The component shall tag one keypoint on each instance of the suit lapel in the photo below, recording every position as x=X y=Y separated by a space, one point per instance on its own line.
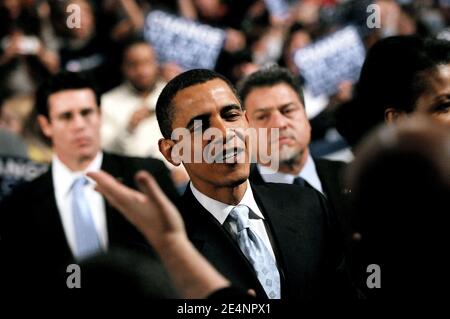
x=120 y=231
x=255 y=176
x=330 y=175
x=217 y=245
x=47 y=216
x=114 y=220
x=285 y=227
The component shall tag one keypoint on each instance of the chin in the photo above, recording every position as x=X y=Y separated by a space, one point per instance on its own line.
x=287 y=153
x=239 y=176
x=234 y=182
x=88 y=154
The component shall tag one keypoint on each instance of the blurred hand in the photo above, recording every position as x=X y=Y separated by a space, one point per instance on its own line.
x=235 y=40
x=345 y=91
x=12 y=48
x=150 y=210
x=137 y=117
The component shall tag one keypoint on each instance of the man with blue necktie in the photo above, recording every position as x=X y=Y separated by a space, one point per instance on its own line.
x=277 y=239
x=59 y=219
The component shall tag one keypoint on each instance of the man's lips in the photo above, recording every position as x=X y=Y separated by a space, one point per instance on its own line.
x=285 y=140
x=81 y=141
x=229 y=156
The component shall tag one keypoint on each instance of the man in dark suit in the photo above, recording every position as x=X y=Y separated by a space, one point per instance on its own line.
x=229 y=220
x=273 y=99
x=59 y=219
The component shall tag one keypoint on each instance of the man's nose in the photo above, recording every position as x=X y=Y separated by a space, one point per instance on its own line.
x=220 y=125
x=78 y=121
x=277 y=120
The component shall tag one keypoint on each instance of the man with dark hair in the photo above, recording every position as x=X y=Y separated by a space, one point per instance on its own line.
x=279 y=240
x=58 y=218
x=129 y=125
x=273 y=99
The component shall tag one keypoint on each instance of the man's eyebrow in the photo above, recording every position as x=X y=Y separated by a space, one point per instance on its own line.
x=267 y=108
x=201 y=117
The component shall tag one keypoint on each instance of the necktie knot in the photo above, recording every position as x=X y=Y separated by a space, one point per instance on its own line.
x=300 y=181
x=239 y=215
x=79 y=183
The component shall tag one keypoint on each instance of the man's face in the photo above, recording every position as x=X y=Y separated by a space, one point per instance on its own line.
x=73 y=125
x=140 y=66
x=436 y=98
x=279 y=107
x=215 y=104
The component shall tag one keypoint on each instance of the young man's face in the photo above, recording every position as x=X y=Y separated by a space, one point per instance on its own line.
x=73 y=125
x=215 y=104
x=140 y=66
x=436 y=98
x=279 y=107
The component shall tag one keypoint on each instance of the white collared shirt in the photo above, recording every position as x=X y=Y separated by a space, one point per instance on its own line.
x=308 y=173
x=118 y=106
x=63 y=179
x=221 y=210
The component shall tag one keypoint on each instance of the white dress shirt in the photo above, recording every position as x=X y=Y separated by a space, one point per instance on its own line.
x=221 y=210
x=118 y=105
x=308 y=173
x=63 y=179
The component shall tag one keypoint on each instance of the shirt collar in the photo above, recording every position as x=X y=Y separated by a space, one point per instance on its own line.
x=221 y=210
x=308 y=173
x=64 y=177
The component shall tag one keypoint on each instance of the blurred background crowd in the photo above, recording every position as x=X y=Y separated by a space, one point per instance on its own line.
x=36 y=41
x=108 y=40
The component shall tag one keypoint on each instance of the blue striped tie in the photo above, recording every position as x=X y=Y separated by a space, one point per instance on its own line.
x=256 y=252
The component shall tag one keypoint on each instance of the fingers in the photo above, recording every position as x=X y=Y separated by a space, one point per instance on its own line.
x=167 y=211
x=251 y=292
x=149 y=187
x=116 y=193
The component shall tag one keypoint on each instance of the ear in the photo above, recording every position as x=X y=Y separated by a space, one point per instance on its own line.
x=45 y=125
x=391 y=115
x=166 y=147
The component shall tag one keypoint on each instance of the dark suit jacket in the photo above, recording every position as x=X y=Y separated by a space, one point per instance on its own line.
x=302 y=232
x=31 y=230
x=331 y=176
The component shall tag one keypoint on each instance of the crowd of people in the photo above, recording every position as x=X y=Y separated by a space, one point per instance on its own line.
x=89 y=173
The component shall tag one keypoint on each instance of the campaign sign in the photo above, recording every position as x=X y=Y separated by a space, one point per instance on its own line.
x=331 y=60
x=190 y=44
x=15 y=171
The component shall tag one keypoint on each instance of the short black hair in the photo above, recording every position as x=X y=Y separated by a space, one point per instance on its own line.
x=394 y=75
x=391 y=72
x=137 y=40
x=164 y=107
x=61 y=82
x=270 y=76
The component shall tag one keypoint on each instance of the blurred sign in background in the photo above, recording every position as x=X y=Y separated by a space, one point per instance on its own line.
x=189 y=44
x=331 y=60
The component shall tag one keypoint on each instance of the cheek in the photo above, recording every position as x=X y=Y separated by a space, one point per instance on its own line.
x=443 y=118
